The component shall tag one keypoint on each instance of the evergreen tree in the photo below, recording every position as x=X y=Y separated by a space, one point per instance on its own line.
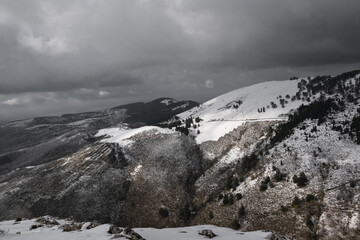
x=242 y=211
x=235 y=224
x=164 y=212
x=296 y=201
x=301 y=181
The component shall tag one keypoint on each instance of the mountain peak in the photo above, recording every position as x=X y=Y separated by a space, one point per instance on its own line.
x=266 y=101
x=164 y=100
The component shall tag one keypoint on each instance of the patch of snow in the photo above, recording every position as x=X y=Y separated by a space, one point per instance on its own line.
x=168 y=101
x=81 y=122
x=250 y=182
x=122 y=136
x=136 y=170
x=30 y=167
x=181 y=107
x=212 y=131
x=84 y=227
x=66 y=161
x=21 y=123
x=43 y=126
x=354 y=221
x=233 y=155
x=193 y=233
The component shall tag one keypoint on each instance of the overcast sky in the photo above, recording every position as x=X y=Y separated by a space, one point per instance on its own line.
x=81 y=55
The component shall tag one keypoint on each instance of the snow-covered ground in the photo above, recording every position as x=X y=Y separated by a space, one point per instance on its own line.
x=20 y=230
x=223 y=114
x=122 y=136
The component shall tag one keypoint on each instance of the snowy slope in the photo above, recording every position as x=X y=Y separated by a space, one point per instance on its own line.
x=122 y=136
x=223 y=114
x=100 y=232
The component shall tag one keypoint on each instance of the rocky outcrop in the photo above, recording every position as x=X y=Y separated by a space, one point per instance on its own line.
x=207 y=233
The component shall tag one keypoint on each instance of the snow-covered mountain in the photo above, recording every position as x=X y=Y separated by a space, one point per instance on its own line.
x=43 y=139
x=223 y=114
x=280 y=155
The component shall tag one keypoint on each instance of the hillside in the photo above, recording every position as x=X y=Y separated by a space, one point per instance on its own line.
x=280 y=155
x=44 y=139
x=223 y=114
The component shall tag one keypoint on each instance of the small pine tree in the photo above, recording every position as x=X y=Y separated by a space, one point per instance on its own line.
x=242 y=211
x=231 y=199
x=296 y=201
x=229 y=181
x=309 y=198
x=186 y=131
x=309 y=222
x=267 y=180
x=263 y=186
x=238 y=196
x=301 y=181
x=226 y=199
x=235 y=224
x=283 y=208
x=279 y=176
x=164 y=212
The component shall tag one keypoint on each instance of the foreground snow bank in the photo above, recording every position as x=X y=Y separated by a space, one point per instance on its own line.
x=20 y=230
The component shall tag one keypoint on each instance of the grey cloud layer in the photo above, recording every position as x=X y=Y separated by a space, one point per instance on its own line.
x=177 y=45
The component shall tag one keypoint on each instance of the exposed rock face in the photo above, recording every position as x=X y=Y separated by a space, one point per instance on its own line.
x=207 y=233
x=47 y=221
x=113 y=229
x=131 y=234
x=71 y=227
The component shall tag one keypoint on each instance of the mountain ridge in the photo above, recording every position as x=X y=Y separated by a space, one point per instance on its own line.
x=300 y=167
x=42 y=139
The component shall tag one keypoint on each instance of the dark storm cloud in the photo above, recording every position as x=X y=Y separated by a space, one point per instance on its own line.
x=68 y=51
x=263 y=34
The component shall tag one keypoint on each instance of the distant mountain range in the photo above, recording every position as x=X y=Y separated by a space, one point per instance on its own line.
x=43 y=139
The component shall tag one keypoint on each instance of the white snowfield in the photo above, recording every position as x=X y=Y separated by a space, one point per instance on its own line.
x=220 y=115
x=11 y=229
x=122 y=136
x=168 y=101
